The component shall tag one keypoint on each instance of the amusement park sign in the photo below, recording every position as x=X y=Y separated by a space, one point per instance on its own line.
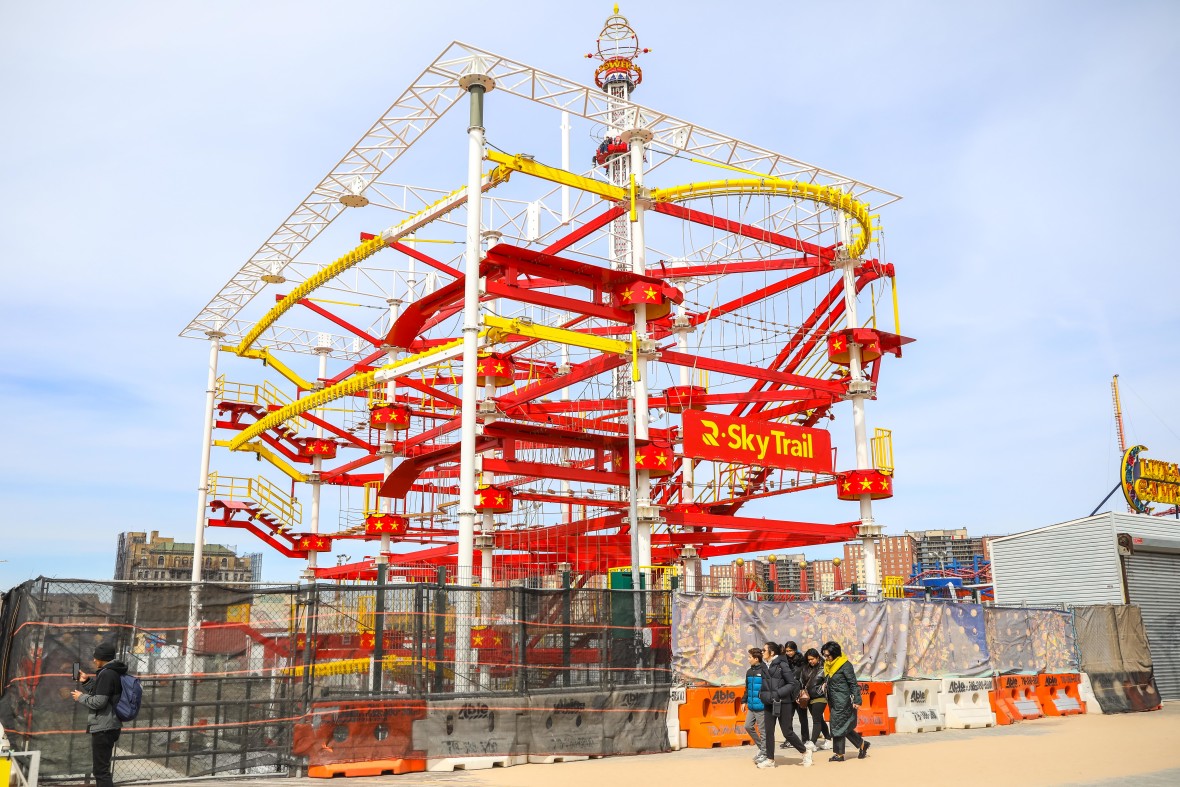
x=752 y=442
x=1149 y=480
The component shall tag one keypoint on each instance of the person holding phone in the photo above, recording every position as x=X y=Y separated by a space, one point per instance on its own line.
x=99 y=694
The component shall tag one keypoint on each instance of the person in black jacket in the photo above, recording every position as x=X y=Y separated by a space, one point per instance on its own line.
x=779 y=691
x=100 y=694
x=812 y=680
x=755 y=677
x=795 y=659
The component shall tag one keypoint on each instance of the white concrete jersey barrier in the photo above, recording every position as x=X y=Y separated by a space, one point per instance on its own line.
x=471 y=734
x=915 y=705
x=1086 y=692
x=965 y=703
x=677 y=697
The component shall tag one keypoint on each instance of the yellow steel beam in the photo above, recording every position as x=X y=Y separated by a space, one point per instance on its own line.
x=266 y=454
x=364 y=251
x=564 y=177
x=267 y=359
x=503 y=327
x=825 y=195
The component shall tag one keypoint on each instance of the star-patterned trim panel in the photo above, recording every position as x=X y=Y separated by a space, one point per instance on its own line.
x=385 y=524
x=656 y=457
x=490 y=637
x=311 y=542
x=311 y=447
x=493 y=499
x=682 y=397
x=385 y=414
x=499 y=370
x=654 y=296
x=839 y=341
x=854 y=483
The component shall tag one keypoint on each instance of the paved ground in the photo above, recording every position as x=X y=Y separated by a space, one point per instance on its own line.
x=1141 y=749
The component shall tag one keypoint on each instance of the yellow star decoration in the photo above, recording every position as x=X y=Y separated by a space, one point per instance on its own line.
x=627 y=294
x=500 y=500
x=662 y=459
x=479 y=499
x=866 y=484
x=477 y=639
x=837 y=345
x=499 y=640
x=884 y=484
x=650 y=293
x=500 y=368
x=639 y=459
x=847 y=486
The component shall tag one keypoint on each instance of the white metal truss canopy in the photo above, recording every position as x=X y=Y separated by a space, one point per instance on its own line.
x=431 y=95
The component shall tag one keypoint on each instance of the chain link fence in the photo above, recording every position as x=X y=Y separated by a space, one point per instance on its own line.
x=262 y=655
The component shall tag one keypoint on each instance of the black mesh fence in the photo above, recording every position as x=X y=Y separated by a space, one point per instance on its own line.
x=263 y=658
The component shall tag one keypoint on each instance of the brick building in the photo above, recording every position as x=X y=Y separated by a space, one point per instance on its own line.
x=145 y=557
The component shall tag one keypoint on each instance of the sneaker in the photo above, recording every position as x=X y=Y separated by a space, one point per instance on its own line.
x=836 y=758
x=807 y=758
x=759 y=757
x=826 y=745
x=864 y=751
x=766 y=763
x=810 y=746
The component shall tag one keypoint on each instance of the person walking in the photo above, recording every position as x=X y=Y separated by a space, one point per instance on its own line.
x=795 y=659
x=843 y=695
x=812 y=680
x=780 y=689
x=755 y=677
x=100 y=694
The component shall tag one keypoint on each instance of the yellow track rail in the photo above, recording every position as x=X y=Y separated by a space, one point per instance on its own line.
x=825 y=195
x=363 y=252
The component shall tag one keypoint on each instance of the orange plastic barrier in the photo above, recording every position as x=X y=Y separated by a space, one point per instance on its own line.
x=714 y=716
x=1015 y=699
x=371 y=768
x=360 y=738
x=873 y=717
x=1059 y=694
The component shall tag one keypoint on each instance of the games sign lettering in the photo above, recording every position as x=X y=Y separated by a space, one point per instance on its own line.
x=1149 y=480
x=750 y=441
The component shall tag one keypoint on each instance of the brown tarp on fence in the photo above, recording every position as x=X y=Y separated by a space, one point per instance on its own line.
x=1116 y=655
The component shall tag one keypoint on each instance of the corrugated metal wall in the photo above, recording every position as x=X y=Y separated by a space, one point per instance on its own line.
x=1071 y=563
x=1152 y=579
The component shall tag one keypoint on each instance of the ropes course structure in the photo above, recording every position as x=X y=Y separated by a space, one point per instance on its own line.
x=516 y=368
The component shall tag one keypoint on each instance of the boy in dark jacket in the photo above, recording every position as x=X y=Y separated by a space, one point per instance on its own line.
x=755 y=677
x=779 y=691
x=100 y=693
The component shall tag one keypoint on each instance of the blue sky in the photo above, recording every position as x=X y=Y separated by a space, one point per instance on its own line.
x=147 y=149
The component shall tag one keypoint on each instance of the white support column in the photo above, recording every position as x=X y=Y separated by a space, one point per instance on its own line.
x=194 y=599
x=317 y=462
x=859 y=389
x=636 y=140
x=477 y=83
x=565 y=164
